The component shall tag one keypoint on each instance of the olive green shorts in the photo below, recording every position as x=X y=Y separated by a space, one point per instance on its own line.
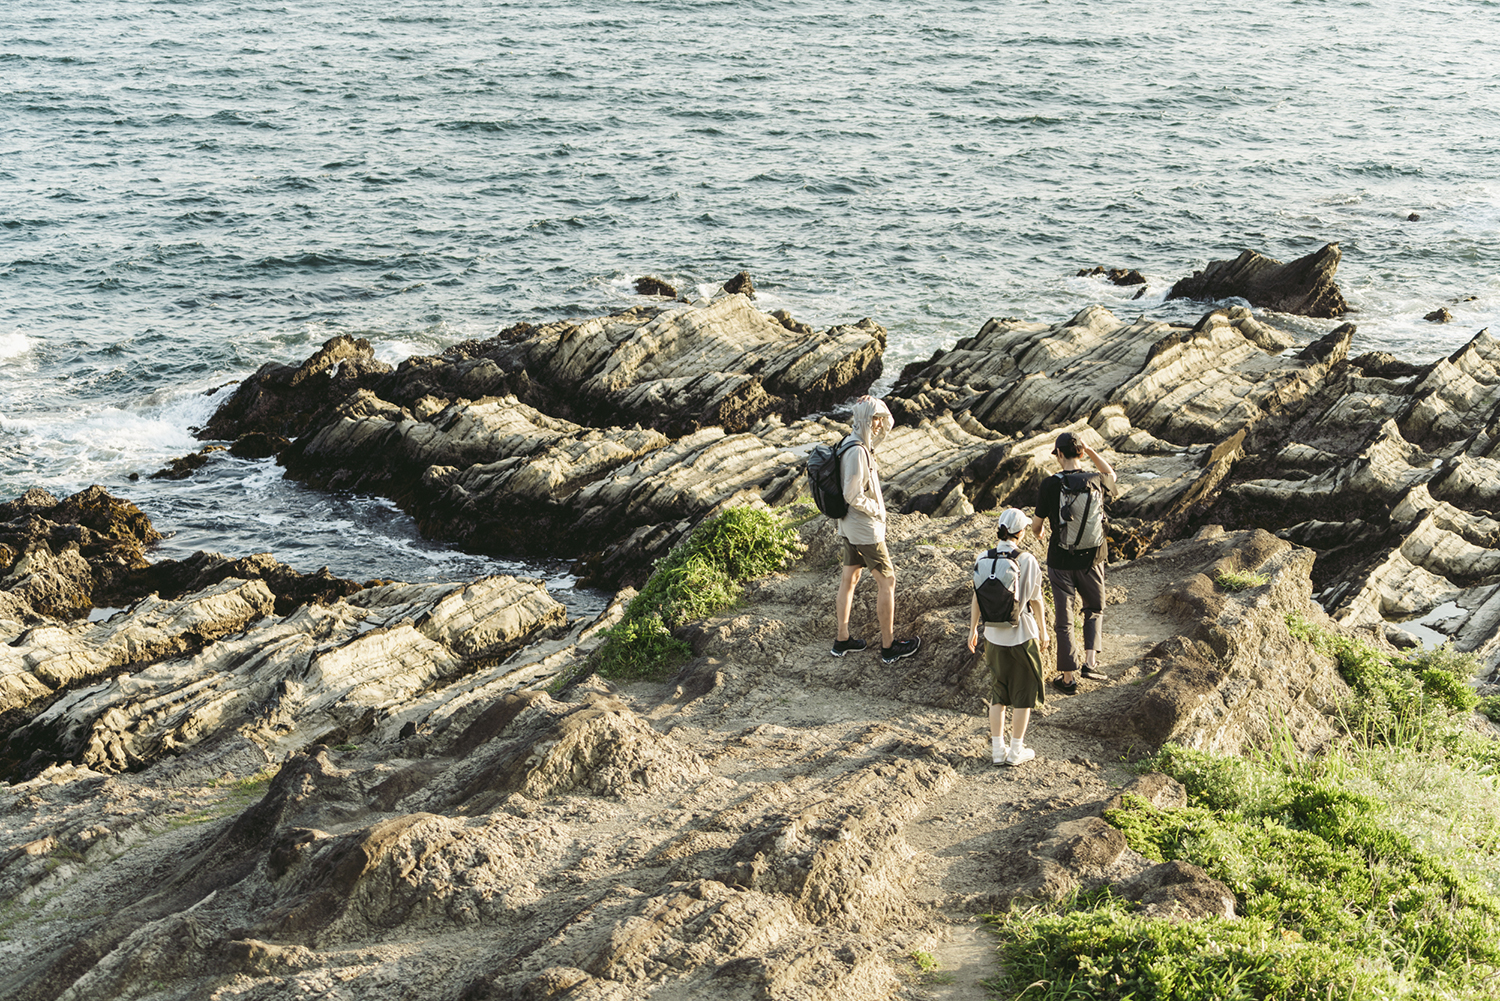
x=869 y=554
x=1015 y=675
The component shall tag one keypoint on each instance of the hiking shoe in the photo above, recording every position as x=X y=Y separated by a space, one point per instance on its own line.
x=1020 y=757
x=900 y=648
x=1092 y=673
x=1066 y=687
x=841 y=647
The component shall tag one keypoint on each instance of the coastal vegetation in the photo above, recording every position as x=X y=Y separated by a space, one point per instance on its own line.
x=700 y=576
x=1368 y=870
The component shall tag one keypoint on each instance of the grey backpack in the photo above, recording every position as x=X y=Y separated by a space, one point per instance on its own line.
x=1080 y=510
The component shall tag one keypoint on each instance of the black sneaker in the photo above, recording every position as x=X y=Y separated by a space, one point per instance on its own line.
x=1066 y=687
x=841 y=647
x=900 y=648
x=1092 y=673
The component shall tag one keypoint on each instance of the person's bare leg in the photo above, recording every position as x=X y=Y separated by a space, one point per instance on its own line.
x=885 y=607
x=1018 y=720
x=845 y=600
x=999 y=748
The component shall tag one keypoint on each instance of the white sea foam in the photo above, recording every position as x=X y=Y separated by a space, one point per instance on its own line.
x=395 y=350
x=13 y=344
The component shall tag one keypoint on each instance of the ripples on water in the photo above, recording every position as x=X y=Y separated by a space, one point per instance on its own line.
x=194 y=188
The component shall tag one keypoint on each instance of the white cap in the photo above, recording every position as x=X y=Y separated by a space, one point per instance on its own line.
x=1013 y=520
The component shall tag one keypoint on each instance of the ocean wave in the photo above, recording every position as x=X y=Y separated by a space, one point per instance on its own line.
x=13 y=344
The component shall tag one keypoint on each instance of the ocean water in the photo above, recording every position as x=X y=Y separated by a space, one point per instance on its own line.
x=191 y=188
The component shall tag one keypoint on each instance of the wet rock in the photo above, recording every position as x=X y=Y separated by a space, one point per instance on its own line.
x=1439 y=315
x=1304 y=286
x=286 y=400
x=651 y=285
x=184 y=466
x=257 y=445
x=740 y=284
x=63 y=557
x=1119 y=276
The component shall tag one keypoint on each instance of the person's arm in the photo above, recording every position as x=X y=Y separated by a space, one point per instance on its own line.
x=1041 y=624
x=856 y=475
x=1106 y=471
x=1038 y=525
x=973 y=623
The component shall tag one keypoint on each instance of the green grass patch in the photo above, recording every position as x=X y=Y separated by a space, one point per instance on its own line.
x=1490 y=707
x=700 y=576
x=1241 y=580
x=1417 y=701
x=1370 y=871
x=1103 y=952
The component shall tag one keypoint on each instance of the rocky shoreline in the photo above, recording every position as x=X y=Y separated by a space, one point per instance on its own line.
x=234 y=780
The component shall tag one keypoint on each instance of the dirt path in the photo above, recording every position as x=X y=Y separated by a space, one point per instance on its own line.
x=816 y=716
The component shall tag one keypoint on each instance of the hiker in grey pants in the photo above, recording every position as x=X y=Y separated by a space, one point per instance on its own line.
x=1077 y=572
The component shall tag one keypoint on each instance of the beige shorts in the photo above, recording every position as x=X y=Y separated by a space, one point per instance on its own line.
x=869 y=554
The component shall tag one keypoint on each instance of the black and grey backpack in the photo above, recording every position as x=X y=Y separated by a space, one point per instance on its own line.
x=1080 y=509
x=995 y=579
x=825 y=478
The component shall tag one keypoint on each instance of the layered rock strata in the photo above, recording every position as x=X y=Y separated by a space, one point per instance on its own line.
x=1379 y=466
x=673 y=367
x=376 y=794
x=1225 y=420
x=1304 y=286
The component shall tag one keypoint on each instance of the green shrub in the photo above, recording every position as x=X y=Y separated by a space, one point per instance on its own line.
x=1490 y=707
x=640 y=648
x=1416 y=701
x=700 y=576
x=1104 y=952
x=1306 y=854
x=1369 y=871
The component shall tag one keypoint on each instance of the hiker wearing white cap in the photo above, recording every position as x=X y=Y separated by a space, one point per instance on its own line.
x=1071 y=503
x=863 y=532
x=1008 y=601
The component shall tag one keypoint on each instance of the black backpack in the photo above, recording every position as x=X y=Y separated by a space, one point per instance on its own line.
x=996 y=587
x=1080 y=511
x=825 y=479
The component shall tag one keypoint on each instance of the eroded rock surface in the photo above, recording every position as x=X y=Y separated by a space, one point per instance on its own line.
x=399 y=786
x=673 y=367
x=1304 y=286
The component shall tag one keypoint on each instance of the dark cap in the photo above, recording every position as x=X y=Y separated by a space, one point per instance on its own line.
x=1067 y=445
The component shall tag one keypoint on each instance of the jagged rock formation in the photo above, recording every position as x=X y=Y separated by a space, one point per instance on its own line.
x=60 y=558
x=1380 y=466
x=1304 y=286
x=377 y=792
x=668 y=366
x=252 y=783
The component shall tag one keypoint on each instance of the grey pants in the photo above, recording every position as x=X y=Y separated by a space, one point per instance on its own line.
x=1088 y=585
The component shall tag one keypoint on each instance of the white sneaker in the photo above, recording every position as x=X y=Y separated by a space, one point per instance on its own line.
x=999 y=750
x=1020 y=757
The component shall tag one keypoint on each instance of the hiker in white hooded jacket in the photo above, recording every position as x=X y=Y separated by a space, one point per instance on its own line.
x=862 y=530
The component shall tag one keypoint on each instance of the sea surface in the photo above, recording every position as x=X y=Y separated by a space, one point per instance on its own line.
x=191 y=188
